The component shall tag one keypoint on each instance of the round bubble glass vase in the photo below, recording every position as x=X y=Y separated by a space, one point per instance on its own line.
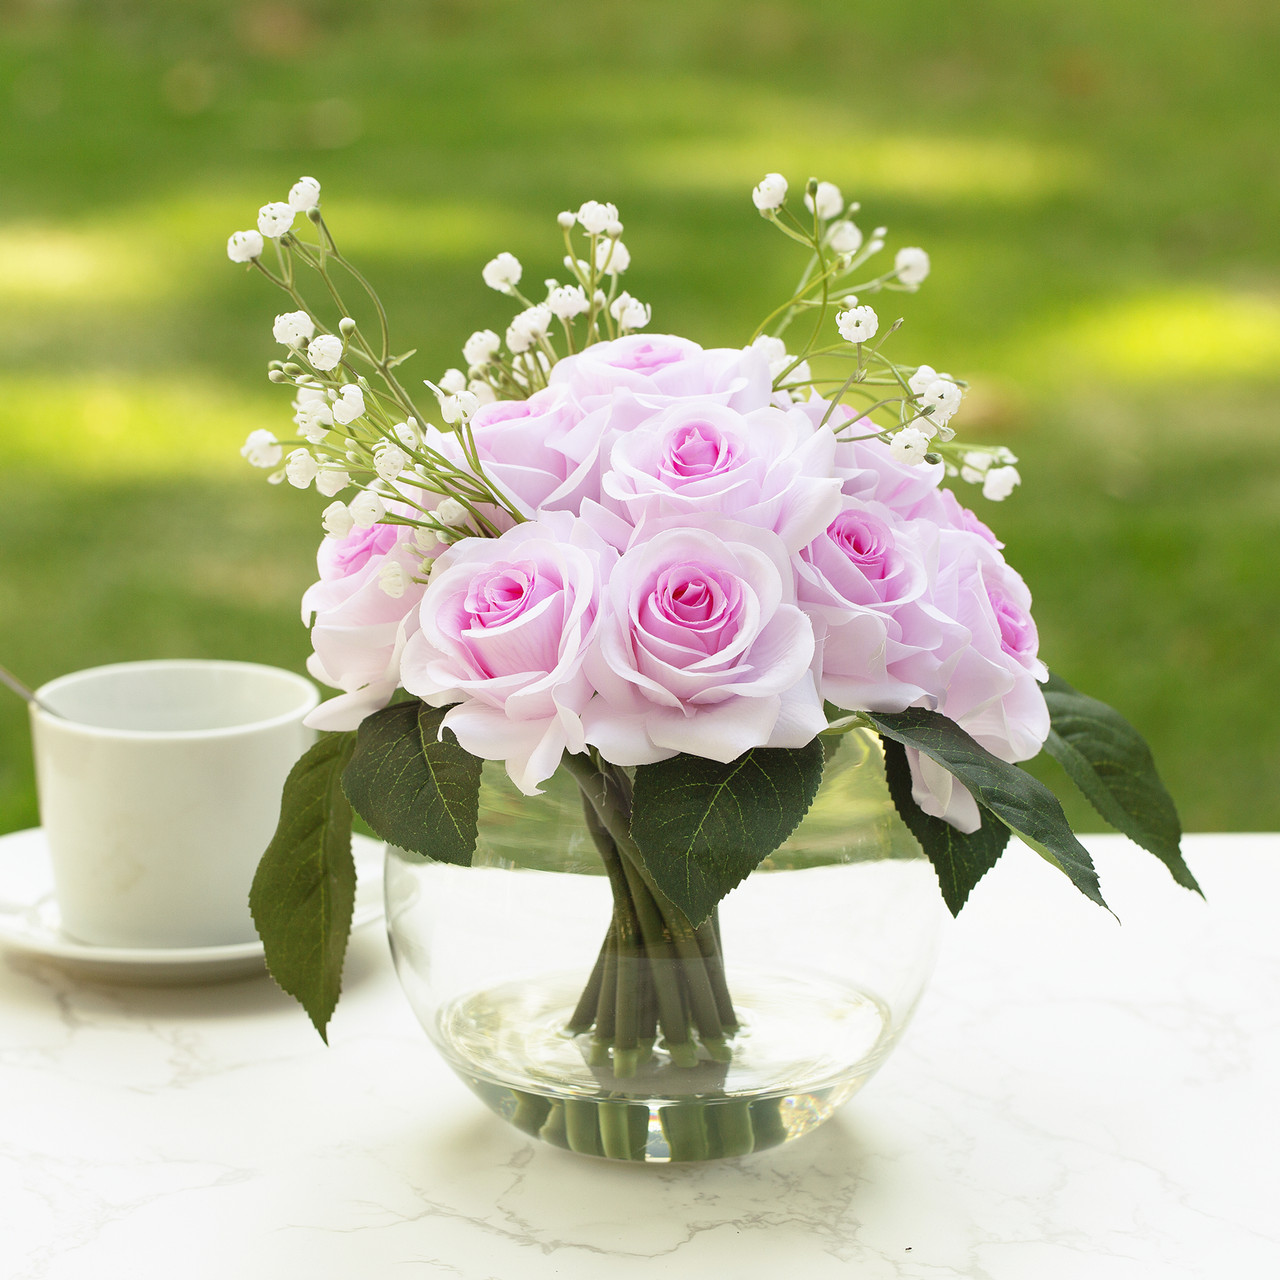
x=785 y=1002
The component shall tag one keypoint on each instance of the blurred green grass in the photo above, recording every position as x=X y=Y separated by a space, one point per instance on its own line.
x=1096 y=180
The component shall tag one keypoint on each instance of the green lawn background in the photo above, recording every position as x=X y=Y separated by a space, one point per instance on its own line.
x=1096 y=180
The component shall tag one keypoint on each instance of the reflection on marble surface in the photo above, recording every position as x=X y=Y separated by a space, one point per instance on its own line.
x=1075 y=1100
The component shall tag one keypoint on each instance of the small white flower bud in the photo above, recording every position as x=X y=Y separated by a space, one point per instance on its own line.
x=244 y=246
x=392 y=579
x=454 y=380
x=300 y=468
x=923 y=377
x=261 y=449
x=612 y=257
x=389 y=460
x=566 y=219
x=407 y=433
x=458 y=407
x=337 y=520
x=331 y=481
x=367 y=509
x=614 y=229
x=629 y=312
x=450 y=513
x=304 y=195
x=426 y=540
x=770 y=193
x=346 y=326
x=594 y=217
x=502 y=273
x=828 y=201
x=944 y=397
x=349 y=404
x=909 y=445
x=875 y=246
x=858 y=324
x=1000 y=482
x=844 y=237
x=912 y=266
x=482 y=391
x=325 y=352
x=481 y=347
x=275 y=219
x=567 y=301
x=293 y=328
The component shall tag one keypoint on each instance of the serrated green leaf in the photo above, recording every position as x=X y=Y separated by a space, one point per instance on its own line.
x=1013 y=795
x=961 y=859
x=1106 y=757
x=304 y=890
x=415 y=789
x=702 y=826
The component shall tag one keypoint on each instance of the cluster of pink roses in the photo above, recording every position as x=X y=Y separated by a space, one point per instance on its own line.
x=704 y=563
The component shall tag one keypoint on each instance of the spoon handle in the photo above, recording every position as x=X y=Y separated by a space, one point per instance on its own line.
x=27 y=695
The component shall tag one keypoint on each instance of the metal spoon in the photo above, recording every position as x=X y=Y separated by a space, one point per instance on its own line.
x=27 y=695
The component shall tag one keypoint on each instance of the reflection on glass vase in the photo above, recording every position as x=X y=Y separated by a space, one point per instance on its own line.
x=667 y=1041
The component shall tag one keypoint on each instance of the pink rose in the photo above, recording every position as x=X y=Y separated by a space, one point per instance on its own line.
x=701 y=649
x=359 y=630
x=859 y=582
x=767 y=468
x=504 y=626
x=986 y=674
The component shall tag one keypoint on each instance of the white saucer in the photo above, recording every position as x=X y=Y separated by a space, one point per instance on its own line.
x=29 y=922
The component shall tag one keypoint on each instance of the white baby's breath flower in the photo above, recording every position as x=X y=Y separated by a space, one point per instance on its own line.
x=828 y=200
x=595 y=217
x=483 y=392
x=275 y=219
x=974 y=467
x=844 y=237
x=944 y=396
x=629 y=312
x=567 y=301
x=909 y=445
x=300 y=468
x=612 y=257
x=779 y=358
x=312 y=413
x=527 y=328
x=450 y=513
x=912 y=266
x=389 y=460
x=503 y=272
x=325 y=352
x=367 y=509
x=458 y=408
x=244 y=246
x=261 y=449
x=454 y=380
x=293 y=328
x=407 y=433
x=304 y=195
x=348 y=405
x=858 y=324
x=1000 y=482
x=566 y=219
x=425 y=539
x=923 y=377
x=331 y=481
x=481 y=347
x=392 y=579
x=337 y=520
x=770 y=192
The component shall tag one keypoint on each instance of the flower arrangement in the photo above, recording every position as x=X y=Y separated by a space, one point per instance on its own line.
x=678 y=574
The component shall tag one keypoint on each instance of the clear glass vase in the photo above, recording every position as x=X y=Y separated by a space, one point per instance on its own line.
x=673 y=1043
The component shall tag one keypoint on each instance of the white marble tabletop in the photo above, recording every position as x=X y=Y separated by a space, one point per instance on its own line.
x=1076 y=1100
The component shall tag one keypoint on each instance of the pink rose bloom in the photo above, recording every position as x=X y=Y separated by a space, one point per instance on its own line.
x=504 y=626
x=702 y=649
x=986 y=674
x=358 y=631
x=767 y=468
x=859 y=582
x=666 y=367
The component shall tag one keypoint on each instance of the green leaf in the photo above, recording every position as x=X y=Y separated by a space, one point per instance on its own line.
x=304 y=890
x=960 y=859
x=1013 y=795
x=702 y=826
x=415 y=790
x=1106 y=757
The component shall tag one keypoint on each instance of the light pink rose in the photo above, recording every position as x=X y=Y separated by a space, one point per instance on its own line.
x=859 y=581
x=768 y=468
x=701 y=648
x=357 y=630
x=986 y=675
x=504 y=627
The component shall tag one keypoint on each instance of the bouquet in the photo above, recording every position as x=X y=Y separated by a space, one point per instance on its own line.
x=678 y=574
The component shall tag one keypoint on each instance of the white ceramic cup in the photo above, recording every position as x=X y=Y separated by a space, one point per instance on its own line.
x=159 y=791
